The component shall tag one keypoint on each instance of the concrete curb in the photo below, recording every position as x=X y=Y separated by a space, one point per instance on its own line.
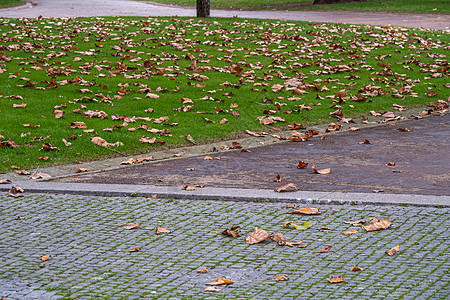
x=228 y=194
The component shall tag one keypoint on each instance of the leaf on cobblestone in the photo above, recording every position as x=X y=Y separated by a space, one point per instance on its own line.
x=289 y=243
x=131 y=226
x=281 y=277
x=211 y=289
x=277 y=178
x=233 y=231
x=5 y=181
x=290 y=187
x=306 y=211
x=339 y=279
x=305 y=225
x=204 y=270
x=46 y=257
x=221 y=281
x=393 y=251
x=356 y=223
x=15 y=192
x=39 y=175
x=162 y=230
x=20 y=218
x=277 y=237
x=302 y=246
x=378 y=225
x=257 y=236
x=135 y=249
x=356 y=269
x=326 y=250
x=351 y=231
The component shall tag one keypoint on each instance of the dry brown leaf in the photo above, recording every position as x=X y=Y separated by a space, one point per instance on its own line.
x=233 y=231
x=22 y=172
x=190 y=139
x=277 y=237
x=17 y=190
x=356 y=269
x=221 y=281
x=366 y=141
x=48 y=147
x=162 y=230
x=351 y=231
x=326 y=250
x=306 y=211
x=257 y=236
x=204 y=270
x=301 y=165
x=39 y=175
x=80 y=125
x=58 y=113
x=356 y=223
x=143 y=159
x=147 y=140
x=281 y=277
x=19 y=105
x=324 y=228
x=135 y=249
x=322 y=171
x=277 y=178
x=129 y=161
x=130 y=226
x=302 y=246
x=211 y=289
x=339 y=279
x=5 y=181
x=188 y=188
x=103 y=143
x=81 y=170
x=46 y=257
x=190 y=169
x=290 y=187
x=394 y=250
x=390 y=164
x=378 y=225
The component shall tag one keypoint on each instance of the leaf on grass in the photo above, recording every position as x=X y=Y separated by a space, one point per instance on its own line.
x=39 y=175
x=378 y=225
x=203 y=271
x=68 y=144
x=301 y=165
x=339 y=279
x=190 y=139
x=257 y=236
x=356 y=269
x=135 y=249
x=79 y=125
x=281 y=277
x=103 y=143
x=15 y=192
x=162 y=230
x=19 y=105
x=351 y=231
x=393 y=251
x=221 y=281
x=306 y=211
x=322 y=171
x=277 y=178
x=290 y=187
x=325 y=250
x=147 y=140
x=58 y=113
x=233 y=231
x=46 y=257
x=48 y=147
x=130 y=226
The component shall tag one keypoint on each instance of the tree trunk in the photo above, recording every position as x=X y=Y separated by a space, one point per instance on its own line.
x=203 y=8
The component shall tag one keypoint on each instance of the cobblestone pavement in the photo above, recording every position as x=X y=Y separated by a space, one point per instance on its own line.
x=91 y=257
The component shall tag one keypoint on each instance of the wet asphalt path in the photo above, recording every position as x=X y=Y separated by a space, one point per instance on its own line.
x=90 y=8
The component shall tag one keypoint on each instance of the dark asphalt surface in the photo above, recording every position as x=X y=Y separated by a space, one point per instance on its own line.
x=421 y=160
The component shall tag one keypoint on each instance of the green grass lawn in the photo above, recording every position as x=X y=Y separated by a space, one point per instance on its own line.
x=420 y=6
x=166 y=78
x=9 y=3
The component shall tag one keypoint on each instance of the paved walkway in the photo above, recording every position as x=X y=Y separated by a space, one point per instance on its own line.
x=89 y=8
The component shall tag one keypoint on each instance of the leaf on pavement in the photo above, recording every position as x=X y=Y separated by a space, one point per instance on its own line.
x=202 y=271
x=306 y=211
x=356 y=269
x=290 y=187
x=46 y=257
x=366 y=141
x=221 y=281
x=301 y=165
x=355 y=223
x=281 y=277
x=81 y=170
x=339 y=279
x=233 y=231
x=277 y=237
x=5 y=181
x=39 y=175
x=305 y=225
x=15 y=192
x=131 y=226
x=377 y=225
x=393 y=251
x=211 y=289
x=322 y=171
x=135 y=249
x=325 y=250
x=257 y=236
x=351 y=231
x=162 y=230
x=188 y=188
x=277 y=178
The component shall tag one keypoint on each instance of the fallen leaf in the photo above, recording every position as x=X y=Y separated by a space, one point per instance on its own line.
x=190 y=169
x=404 y=129
x=326 y=250
x=324 y=228
x=58 y=113
x=322 y=172
x=130 y=226
x=211 y=289
x=277 y=178
x=79 y=125
x=5 y=181
x=19 y=105
x=277 y=237
x=378 y=225
x=22 y=172
x=233 y=231
x=351 y=231
x=135 y=249
x=81 y=170
x=339 y=279
x=221 y=281
x=390 y=164
x=147 y=140
x=188 y=188
x=48 y=147
x=39 y=175
x=190 y=139
x=306 y=211
x=202 y=271
x=356 y=269
x=365 y=142
x=46 y=257
x=305 y=225
x=290 y=187
x=17 y=190
x=301 y=165
x=356 y=223
x=281 y=277
x=162 y=230
x=394 y=250
x=257 y=236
